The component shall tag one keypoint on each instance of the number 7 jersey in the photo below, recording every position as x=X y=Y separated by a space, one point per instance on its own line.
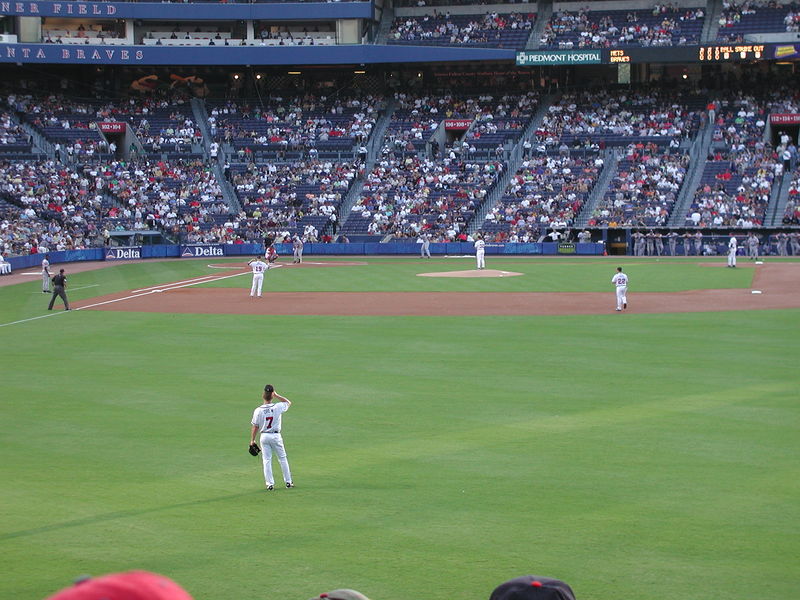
x=267 y=417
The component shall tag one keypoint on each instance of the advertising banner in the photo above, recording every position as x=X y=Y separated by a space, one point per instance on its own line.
x=190 y=10
x=112 y=127
x=784 y=119
x=123 y=253
x=457 y=124
x=199 y=251
x=559 y=57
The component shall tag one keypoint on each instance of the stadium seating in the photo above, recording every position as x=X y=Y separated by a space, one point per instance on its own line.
x=290 y=198
x=549 y=190
x=644 y=189
x=492 y=30
x=660 y=26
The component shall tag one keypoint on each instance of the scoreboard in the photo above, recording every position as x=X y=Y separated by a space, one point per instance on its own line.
x=706 y=53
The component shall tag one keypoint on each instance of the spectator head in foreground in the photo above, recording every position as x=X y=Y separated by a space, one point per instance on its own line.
x=133 y=585
x=532 y=587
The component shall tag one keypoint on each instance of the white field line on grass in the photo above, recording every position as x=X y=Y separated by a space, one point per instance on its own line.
x=157 y=289
x=163 y=288
x=195 y=279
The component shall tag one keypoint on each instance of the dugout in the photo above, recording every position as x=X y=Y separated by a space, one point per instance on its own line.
x=133 y=237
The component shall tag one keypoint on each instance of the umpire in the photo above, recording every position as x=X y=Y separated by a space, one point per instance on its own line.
x=59 y=289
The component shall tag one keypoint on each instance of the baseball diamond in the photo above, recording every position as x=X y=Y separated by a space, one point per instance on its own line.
x=417 y=299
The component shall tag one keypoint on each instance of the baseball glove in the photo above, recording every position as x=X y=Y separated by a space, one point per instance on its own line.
x=254 y=449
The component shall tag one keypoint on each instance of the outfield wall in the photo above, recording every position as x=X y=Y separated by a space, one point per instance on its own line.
x=211 y=251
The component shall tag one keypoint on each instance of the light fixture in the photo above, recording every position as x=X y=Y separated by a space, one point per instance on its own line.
x=360 y=72
x=295 y=72
x=259 y=75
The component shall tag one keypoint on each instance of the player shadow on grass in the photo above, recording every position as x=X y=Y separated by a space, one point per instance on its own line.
x=121 y=514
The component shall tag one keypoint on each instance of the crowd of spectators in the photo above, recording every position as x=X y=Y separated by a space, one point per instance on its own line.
x=547 y=191
x=47 y=206
x=605 y=115
x=644 y=189
x=485 y=29
x=306 y=124
x=791 y=213
x=299 y=198
x=735 y=189
x=162 y=122
x=741 y=122
x=177 y=197
x=664 y=25
x=11 y=133
x=408 y=196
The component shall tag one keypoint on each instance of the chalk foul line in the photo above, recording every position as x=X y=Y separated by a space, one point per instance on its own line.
x=155 y=289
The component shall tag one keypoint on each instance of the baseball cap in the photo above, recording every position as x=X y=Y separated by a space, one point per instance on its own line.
x=343 y=594
x=532 y=587
x=133 y=585
x=268 y=388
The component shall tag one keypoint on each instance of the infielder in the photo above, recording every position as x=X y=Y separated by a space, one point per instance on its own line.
x=258 y=266
x=480 y=249
x=732 y=245
x=425 y=251
x=621 y=281
x=698 y=243
x=297 y=250
x=45 y=274
x=267 y=421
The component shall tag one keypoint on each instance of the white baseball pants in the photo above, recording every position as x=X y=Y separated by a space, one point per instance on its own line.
x=622 y=296
x=270 y=442
x=45 y=282
x=479 y=259
x=731 y=258
x=258 y=281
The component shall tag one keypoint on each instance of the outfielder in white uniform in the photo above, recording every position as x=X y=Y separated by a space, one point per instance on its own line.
x=46 y=274
x=480 y=249
x=258 y=266
x=267 y=421
x=621 y=281
x=732 y=245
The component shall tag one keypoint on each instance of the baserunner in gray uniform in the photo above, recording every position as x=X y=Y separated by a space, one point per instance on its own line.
x=752 y=246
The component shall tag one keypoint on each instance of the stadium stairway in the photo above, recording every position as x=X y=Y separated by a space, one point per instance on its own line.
x=201 y=118
x=40 y=147
x=513 y=164
x=610 y=162
x=387 y=18
x=373 y=149
x=711 y=24
x=777 y=201
x=697 y=162
x=543 y=14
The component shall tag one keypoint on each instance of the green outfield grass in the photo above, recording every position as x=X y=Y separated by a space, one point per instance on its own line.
x=645 y=457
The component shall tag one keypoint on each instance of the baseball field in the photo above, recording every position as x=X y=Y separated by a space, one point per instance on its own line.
x=447 y=432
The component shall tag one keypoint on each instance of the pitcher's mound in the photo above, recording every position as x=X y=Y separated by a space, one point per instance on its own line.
x=472 y=273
